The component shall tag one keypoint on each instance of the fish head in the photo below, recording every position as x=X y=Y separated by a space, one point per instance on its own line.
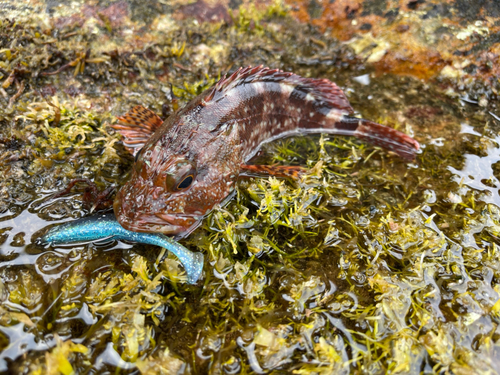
x=174 y=184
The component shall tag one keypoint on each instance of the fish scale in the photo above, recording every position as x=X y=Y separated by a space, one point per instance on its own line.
x=191 y=161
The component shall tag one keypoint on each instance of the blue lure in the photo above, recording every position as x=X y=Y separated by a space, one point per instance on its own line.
x=105 y=226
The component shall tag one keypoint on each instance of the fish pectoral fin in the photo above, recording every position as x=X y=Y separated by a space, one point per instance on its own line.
x=92 y=198
x=137 y=126
x=286 y=171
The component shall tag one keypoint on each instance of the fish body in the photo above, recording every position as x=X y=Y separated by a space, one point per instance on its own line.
x=105 y=226
x=191 y=161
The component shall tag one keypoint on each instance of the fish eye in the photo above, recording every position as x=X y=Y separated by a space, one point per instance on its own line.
x=180 y=176
x=185 y=183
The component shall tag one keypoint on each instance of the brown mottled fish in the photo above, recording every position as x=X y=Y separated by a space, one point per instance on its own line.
x=190 y=162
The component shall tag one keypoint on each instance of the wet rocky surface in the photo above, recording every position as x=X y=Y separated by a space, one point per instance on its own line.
x=369 y=264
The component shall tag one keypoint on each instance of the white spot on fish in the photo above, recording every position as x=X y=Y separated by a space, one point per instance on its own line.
x=259 y=87
x=231 y=93
x=334 y=115
x=287 y=89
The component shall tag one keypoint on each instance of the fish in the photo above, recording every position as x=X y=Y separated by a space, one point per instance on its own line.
x=189 y=163
x=104 y=226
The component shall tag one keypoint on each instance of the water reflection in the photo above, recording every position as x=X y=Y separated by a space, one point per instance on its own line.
x=44 y=269
x=20 y=341
x=26 y=223
x=477 y=171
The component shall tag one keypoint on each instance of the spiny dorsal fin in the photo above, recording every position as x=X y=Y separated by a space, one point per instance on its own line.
x=251 y=74
x=137 y=126
x=321 y=89
x=247 y=75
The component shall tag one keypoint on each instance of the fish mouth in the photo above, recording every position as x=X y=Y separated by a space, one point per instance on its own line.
x=146 y=225
x=159 y=222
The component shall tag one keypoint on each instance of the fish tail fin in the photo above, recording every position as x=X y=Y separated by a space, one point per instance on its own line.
x=377 y=134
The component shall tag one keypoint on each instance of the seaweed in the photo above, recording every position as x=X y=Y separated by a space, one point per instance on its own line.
x=367 y=264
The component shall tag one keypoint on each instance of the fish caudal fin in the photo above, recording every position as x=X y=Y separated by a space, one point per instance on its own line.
x=379 y=135
x=137 y=126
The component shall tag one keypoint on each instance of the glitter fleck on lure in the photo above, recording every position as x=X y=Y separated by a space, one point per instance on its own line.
x=191 y=162
x=105 y=226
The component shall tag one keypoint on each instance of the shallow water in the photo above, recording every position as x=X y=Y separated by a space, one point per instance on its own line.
x=368 y=264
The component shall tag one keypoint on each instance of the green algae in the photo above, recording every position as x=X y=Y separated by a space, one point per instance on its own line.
x=365 y=265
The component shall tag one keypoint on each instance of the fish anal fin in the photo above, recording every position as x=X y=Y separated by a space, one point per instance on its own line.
x=137 y=126
x=286 y=171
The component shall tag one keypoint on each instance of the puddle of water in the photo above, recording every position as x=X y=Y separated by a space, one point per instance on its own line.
x=373 y=255
x=467 y=169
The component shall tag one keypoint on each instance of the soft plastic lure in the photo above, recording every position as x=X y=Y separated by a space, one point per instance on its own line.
x=105 y=226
